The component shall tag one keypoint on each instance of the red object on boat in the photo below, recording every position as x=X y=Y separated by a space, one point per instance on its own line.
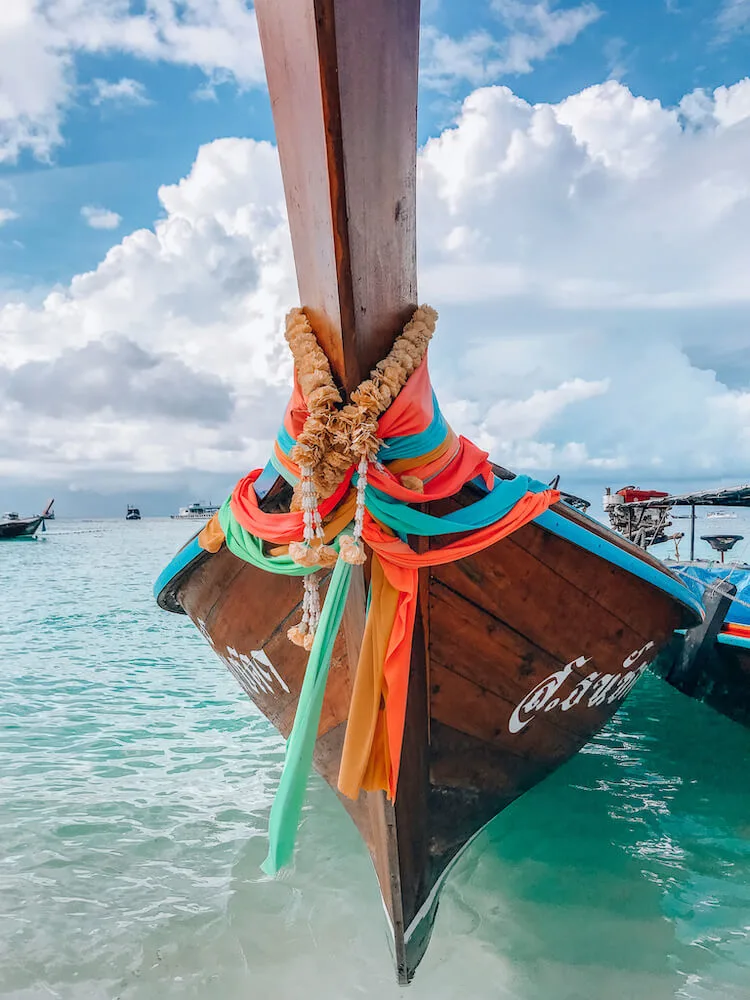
x=734 y=628
x=631 y=495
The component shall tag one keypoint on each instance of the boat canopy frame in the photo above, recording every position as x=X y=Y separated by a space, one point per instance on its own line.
x=733 y=496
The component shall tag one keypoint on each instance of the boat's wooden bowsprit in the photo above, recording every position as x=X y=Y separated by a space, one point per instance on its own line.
x=342 y=75
x=521 y=651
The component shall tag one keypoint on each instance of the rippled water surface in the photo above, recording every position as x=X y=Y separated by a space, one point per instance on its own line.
x=135 y=784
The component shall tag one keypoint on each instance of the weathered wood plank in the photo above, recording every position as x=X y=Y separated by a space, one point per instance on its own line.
x=342 y=75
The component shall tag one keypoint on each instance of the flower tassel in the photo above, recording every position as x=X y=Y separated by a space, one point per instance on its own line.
x=351 y=548
x=311 y=551
x=303 y=634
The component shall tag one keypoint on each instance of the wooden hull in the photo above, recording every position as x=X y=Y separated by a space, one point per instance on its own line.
x=23 y=527
x=720 y=677
x=521 y=654
x=711 y=662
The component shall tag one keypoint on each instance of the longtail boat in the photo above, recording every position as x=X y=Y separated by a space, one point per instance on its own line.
x=711 y=662
x=13 y=526
x=457 y=632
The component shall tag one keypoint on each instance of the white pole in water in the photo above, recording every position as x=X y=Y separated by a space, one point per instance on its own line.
x=692 y=532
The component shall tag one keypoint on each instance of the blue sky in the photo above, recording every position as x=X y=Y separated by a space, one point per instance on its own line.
x=587 y=249
x=115 y=154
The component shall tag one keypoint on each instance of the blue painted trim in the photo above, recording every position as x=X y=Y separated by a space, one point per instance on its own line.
x=733 y=640
x=178 y=562
x=585 y=539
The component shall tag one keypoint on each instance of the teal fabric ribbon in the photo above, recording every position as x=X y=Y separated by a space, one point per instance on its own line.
x=290 y=796
x=413 y=445
x=405 y=520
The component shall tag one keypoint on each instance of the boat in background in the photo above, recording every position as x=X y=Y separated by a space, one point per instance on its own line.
x=195 y=512
x=503 y=627
x=132 y=513
x=720 y=514
x=710 y=663
x=13 y=526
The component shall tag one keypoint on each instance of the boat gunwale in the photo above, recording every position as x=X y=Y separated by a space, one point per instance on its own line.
x=561 y=520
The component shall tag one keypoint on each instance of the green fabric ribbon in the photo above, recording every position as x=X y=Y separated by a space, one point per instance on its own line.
x=290 y=796
x=245 y=545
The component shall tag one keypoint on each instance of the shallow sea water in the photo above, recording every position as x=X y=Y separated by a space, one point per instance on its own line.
x=135 y=785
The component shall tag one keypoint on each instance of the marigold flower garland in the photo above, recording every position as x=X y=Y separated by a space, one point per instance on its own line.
x=335 y=437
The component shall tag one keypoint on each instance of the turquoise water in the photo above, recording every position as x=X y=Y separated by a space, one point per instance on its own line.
x=135 y=784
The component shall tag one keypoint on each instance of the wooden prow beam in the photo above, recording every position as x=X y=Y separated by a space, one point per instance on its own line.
x=342 y=76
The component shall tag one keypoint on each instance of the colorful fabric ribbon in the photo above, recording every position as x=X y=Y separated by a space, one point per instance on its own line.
x=419 y=450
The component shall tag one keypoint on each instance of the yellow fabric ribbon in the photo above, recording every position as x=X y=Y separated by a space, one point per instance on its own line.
x=365 y=759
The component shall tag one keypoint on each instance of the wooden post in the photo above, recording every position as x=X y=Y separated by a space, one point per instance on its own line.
x=342 y=76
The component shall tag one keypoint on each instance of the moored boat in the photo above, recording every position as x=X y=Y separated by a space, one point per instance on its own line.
x=195 y=512
x=711 y=662
x=13 y=526
x=132 y=513
x=461 y=631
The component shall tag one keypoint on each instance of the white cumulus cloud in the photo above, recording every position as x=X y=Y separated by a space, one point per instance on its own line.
x=218 y=36
x=532 y=32
x=122 y=91
x=589 y=260
x=7 y=215
x=100 y=218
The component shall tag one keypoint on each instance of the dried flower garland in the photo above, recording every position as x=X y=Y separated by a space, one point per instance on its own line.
x=335 y=437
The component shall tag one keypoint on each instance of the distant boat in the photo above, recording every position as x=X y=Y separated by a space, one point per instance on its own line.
x=133 y=514
x=195 y=512
x=14 y=526
x=710 y=662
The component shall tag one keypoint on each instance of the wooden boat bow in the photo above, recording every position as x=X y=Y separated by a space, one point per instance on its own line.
x=520 y=652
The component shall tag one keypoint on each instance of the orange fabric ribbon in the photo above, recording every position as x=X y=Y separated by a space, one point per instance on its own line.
x=279 y=528
x=374 y=735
